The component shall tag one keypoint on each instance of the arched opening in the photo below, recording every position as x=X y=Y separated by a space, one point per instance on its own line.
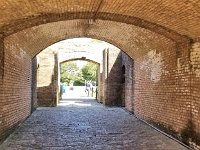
x=123 y=73
x=79 y=79
x=163 y=66
x=75 y=74
x=107 y=57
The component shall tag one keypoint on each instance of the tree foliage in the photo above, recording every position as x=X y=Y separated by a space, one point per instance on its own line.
x=70 y=72
x=89 y=71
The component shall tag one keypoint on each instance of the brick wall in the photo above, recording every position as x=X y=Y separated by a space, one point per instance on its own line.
x=47 y=78
x=162 y=86
x=195 y=84
x=128 y=81
x=34 y=85
x=193 y=127
x=2 y=130
x=104 y=77
x=16 y=87
x=112 y=76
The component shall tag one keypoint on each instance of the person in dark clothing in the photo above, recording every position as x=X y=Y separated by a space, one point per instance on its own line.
x=87 y=88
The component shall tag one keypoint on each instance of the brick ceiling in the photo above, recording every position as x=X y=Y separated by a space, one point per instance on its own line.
x=179 y=16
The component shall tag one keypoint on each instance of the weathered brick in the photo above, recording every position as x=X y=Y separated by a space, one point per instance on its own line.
x=166 y=87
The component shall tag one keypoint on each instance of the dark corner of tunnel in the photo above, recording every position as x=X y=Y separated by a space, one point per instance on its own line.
x=167 y=129
x=189 y=134
x=10 y=130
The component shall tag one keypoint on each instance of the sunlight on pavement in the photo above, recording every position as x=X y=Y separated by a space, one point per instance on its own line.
x=73 y=102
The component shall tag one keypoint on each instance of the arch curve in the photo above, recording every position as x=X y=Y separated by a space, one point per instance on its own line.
x=129 y=38
x=45 y=18
x=74 y=59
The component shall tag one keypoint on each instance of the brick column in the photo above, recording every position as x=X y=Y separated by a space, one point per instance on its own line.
x=111 y=76
x=34 y=85
x=47 y=81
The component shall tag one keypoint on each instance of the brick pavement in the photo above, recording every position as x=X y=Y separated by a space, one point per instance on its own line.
x=84 y=124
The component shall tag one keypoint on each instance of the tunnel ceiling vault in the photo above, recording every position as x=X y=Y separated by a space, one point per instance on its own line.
x=173 y=18
x=133 y=40
x=48 y=18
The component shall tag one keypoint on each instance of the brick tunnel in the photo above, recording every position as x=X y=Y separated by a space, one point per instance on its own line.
x=162 y=37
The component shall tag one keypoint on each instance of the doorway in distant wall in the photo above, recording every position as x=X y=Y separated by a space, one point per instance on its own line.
x=79 y=79
x=122 y=102
x=127 y=82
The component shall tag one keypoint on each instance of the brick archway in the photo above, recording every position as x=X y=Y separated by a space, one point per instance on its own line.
x=22 y=24
x=127 y=37
x=162 y=66
x=48 y=72
x=164 y=15
x=82 y=59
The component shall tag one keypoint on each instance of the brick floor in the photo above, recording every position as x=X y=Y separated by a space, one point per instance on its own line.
x=86 y=125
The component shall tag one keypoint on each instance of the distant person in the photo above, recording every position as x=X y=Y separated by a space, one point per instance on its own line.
x=71 y=85
x=63 y=88
x=91 y=88
x=87 y=88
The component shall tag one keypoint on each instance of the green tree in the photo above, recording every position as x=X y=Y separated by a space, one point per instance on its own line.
x=80 y=81
x=69 y=72
x=89 y=71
